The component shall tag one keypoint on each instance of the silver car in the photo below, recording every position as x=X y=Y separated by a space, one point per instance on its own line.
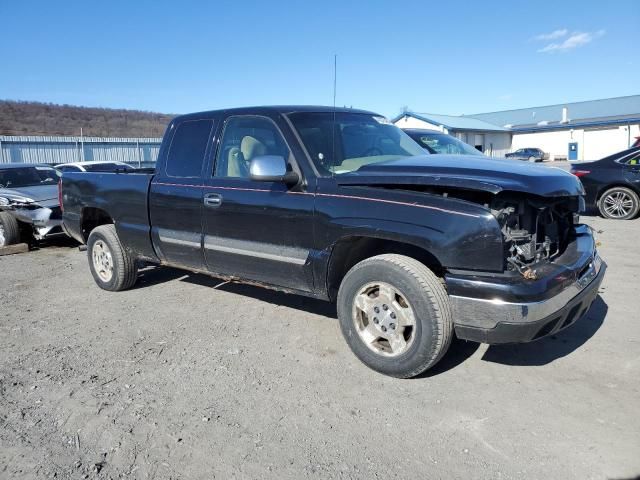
x=29 y=204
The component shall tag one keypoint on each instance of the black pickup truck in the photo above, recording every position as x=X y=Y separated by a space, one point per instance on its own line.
x=341 y=205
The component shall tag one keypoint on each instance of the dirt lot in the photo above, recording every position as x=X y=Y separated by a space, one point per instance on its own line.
x=176 y=379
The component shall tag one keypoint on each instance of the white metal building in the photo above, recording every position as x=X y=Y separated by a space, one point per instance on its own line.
x=42 y=149
x=575 y=131
x=491 y=139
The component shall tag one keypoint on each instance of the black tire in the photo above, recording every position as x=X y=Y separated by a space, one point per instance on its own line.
x=124 y=269
x=10 y=229
x=623 y=192
x=426 y=296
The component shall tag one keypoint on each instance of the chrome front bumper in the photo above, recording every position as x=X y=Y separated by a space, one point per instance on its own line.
x=557 y=301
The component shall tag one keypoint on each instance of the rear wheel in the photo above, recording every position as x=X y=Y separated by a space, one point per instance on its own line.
x=532 y=159
x=395 y=315
x=9 y=229
x=619 y=203
x=112 y=267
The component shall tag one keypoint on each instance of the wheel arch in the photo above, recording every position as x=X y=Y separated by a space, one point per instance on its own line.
x=91 y=218
x=352 y=249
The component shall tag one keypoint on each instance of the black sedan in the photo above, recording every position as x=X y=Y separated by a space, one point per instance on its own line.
x=613 y=184
x=530 y=154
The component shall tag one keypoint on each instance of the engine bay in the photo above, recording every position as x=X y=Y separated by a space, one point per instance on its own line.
x=534 y=229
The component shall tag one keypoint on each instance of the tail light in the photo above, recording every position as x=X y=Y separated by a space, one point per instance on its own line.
x=60 y=195
x=580 y=173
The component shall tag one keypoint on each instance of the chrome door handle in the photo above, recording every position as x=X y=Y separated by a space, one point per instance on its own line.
x=212 y=200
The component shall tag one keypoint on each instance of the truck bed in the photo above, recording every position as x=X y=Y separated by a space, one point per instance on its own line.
x=123 y=195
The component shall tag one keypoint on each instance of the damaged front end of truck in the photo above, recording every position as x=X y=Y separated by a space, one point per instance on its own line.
x=551 y=270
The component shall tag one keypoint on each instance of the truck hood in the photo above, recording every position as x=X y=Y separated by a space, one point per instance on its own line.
x=43 y=195
x=467 y=172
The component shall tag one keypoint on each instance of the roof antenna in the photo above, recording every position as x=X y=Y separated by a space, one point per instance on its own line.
x=333 y=126
x=335 y=78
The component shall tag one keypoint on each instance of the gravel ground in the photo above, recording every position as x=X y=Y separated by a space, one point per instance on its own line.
x=184 y=377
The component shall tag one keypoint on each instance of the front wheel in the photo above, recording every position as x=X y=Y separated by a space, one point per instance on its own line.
x=9 y=229
x=532 y=159
x=395 y=315
x=619 y=203
x=112 y=267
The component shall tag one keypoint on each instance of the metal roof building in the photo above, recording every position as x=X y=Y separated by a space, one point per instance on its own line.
x=603 y=112
x=489 y=138
x=54 y=150
x=577 y=130
x=456 y=123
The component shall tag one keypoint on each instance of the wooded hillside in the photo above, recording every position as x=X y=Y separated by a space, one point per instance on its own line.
x=35 y=118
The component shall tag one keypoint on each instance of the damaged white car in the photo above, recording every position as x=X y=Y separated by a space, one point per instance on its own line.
x=29 y=203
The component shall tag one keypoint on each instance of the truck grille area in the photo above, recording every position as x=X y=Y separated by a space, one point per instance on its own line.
x=534 y=229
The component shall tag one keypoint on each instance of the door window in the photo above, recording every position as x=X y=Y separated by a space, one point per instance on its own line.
x=188 y=147
x=244 y=139
x=631 y=157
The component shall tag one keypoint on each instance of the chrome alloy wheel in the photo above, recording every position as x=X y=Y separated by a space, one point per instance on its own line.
x=384 y=319
x=617 y=204
x=3 y=238
x=102 y=261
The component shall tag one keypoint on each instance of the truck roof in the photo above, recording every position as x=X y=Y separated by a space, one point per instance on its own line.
x=274 y=109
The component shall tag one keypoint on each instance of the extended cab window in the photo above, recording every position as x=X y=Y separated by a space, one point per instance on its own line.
x=187 y=149
x=244 y=139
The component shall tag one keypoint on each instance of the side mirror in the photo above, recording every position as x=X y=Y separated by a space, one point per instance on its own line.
x=271 y=168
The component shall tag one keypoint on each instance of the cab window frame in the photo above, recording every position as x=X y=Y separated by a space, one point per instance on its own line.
x=175 y=126
x=217 y=151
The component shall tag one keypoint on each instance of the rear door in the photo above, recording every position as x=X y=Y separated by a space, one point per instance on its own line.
x=175 y=196
x=260 y=231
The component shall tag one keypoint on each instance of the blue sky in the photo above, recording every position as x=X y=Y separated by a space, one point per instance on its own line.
x=440 y=57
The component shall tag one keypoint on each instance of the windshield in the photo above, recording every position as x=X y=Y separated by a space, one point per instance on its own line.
x=28 y=177
x=443 y=143
x=343 y=142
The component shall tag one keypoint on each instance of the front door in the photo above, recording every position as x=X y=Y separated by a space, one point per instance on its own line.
x=261 y=231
